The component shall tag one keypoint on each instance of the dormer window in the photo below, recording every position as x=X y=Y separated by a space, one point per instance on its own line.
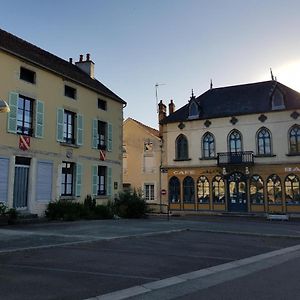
x=193 y=110
x=277 y=100
x=27 y=75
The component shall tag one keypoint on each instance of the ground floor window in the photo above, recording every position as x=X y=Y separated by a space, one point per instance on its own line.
x=274 y=192
x=188 y=190
x=174 y=190
x=218 y=189
x=67 y=179
x=292 y=190
x=149 y=192
x=203 y=189
x=256 y=190
x=101 y=184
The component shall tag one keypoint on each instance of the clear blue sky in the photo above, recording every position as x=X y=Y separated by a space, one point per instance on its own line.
x=181 y=43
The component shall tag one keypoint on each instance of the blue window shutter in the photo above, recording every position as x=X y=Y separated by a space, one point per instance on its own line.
x=94 y=180
x=12 y=115
x=95 y=135
x=109 y=182
x=39 y=119
x=4 y=163
x=44 y=181
x=109 y=137
x=79 y=140
x=79 y=170
x=60 y=125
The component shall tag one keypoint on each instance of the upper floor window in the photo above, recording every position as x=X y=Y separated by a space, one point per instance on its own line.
x=27 y=75
x=294 y=139
x=277 y=100
x=25 y=115
x=102 y=135
x=263 y=142
x=181 y=147
x=193 y=110
x=102 y=104
x=235 y=141
x=208 y=145
x=69 y=128
x=70 y=92
x=148 y=146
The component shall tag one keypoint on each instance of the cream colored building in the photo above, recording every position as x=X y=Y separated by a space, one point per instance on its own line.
x=142 y=161
x=60 y=119
x=234 y=149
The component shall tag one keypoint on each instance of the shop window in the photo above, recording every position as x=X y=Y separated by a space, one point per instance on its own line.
x=188 y=190
x=208 y=145
x=174 y=190
x=218 y=189
x=294 y=139
x=256 y=190
x=203 y=189
x=264 y=142
x=181 y=147
x=292 y=189
x=274 y=191
x=235 y=141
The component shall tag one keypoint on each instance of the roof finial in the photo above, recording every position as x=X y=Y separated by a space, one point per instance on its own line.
x=193 y=93
x=272 y=77
x=211 y=84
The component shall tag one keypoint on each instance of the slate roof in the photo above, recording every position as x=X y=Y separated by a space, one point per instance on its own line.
x=237 y=100
x=38 y=56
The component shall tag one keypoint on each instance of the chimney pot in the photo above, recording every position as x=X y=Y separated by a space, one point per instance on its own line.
x=70 y=60
x=88 y=57
x=81 y=57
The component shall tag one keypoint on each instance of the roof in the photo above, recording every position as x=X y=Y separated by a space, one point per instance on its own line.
x=237 y=100
x=145 y=127
x=38 y=56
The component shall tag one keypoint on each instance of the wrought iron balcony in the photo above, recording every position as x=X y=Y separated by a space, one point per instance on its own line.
x=235 y=158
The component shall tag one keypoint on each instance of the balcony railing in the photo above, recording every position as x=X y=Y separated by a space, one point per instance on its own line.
x=235 y=158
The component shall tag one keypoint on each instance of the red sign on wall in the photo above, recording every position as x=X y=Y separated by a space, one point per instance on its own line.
x=102 y=155
x=24 y=142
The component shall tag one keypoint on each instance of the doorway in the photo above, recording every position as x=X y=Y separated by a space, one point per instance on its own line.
x=237 y=192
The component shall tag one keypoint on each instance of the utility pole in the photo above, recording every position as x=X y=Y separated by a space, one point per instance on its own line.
x=156 y=93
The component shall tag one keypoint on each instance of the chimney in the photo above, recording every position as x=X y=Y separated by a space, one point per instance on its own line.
x=171 y=107
x=70 y=60
x=87 y=65
x=162 y=113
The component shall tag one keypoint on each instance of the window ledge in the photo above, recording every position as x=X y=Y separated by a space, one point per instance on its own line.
x=67 y=198
x=182 y=159
x=69 y=145
x=265 y=155
x=208 y=158
x=293 y=154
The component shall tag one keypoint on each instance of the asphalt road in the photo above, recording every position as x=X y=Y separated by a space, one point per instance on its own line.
x=80 y=260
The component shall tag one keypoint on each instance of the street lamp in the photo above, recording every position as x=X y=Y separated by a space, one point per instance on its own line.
x=4 y=108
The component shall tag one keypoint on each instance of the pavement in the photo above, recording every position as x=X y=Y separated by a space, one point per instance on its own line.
x=183 y=258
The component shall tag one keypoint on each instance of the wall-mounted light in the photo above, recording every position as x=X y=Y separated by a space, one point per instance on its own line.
x=4 y=108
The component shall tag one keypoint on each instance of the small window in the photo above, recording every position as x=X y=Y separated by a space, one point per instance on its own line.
x=70 y=92
x=278 y=101
x=193 y=110
x=102 y=104
x=149 y=192
x=27 y=75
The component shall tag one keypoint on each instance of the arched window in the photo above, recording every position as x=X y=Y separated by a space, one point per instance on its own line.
x=193 y=110
x=294 y=138
x=188 y=190
x=174 y=190
x=181 y=147
x=292 y=189
x=203 y=190
x=208 y=145
x=256 y=190
x=235 y=141
x=274 y=192
x=218 y=189
x=263 y=142
x=278 y=100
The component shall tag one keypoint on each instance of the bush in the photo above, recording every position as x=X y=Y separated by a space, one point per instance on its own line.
x=65 y=210
x=131 y=205
x=103 y=212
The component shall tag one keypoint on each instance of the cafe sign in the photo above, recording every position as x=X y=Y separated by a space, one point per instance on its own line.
x=293 y=169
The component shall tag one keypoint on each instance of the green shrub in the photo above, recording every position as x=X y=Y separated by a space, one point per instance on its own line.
x=103 y=212
x=65 y=210
x=3 y=208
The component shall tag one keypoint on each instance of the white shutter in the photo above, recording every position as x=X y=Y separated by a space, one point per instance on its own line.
x=4 y=163
x=44 y=181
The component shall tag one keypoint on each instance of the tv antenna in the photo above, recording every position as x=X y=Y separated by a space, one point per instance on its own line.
x=156 y=93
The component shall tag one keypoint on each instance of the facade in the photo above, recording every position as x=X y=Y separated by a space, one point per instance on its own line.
x=234 y=149
x=62 y=137
x=142 y=160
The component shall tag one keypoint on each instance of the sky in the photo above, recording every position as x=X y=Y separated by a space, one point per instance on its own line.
x=179 y=44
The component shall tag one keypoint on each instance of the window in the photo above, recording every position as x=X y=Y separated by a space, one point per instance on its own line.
x=67 y=179
x=203 y=190
x=292 y=189
x=27 y=75
x=218 y=189
x=149 y=192
x=25 y=116
x=278 y=100
x=235 y=141
x=44 y=181
x=174 y=190
x=294 y=139
x=149 y=163
x=208 y=145
x=148 y=146
x=101 y=184
x=69 y=121
x=256 y=190
x=193 y=110
x=70 y=92
x=263 y=142
x=274 y=193
x=188 y=190
x=181 y=147
x=102 y=135
x=102 y=104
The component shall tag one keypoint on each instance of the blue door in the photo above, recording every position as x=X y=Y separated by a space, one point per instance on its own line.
x=21 y=187
x=237 y=192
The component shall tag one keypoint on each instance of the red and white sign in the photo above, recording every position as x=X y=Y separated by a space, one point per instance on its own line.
x=24 y=142
x=102 y=154
x=163 y=192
